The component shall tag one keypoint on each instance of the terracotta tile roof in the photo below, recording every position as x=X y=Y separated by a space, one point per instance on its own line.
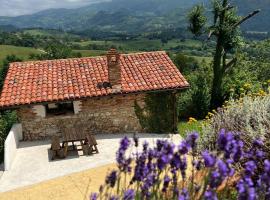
x=68 y=79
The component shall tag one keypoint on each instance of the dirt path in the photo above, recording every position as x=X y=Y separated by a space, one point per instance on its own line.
x=77 y=186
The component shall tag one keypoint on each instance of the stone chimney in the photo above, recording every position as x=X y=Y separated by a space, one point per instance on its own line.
x=114 y=69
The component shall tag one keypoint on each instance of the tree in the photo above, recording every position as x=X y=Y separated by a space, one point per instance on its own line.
x=54 y=50
x=4 y=68
x=7 y=118
x=225 y=29
x=185 y=64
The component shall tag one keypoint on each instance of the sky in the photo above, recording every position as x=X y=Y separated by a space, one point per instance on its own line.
x=22 y=7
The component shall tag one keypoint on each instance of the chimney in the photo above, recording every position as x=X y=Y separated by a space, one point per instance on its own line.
x=114 y=69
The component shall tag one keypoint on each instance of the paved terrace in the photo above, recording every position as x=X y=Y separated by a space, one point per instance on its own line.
x=33 y=165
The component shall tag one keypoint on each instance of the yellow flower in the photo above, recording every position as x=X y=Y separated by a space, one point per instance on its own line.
x=247 y=85
x=261 y=93
x=191 y=120
x=214 y=111
x=210 y=114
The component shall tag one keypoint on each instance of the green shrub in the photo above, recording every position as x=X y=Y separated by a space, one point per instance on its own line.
x=195 y=101
x=7 y=119
x=184 y=128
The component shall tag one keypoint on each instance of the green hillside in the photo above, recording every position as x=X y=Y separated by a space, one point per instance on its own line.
x=132 y=16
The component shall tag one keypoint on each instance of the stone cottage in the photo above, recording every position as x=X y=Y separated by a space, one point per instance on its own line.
x=95 y=92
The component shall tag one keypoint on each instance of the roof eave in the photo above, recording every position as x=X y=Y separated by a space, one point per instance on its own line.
x=13 y=107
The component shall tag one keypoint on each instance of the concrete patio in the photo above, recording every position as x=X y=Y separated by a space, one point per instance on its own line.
x=33 y=165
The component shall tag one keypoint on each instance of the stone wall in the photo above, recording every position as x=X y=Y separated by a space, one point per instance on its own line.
x=103 y=115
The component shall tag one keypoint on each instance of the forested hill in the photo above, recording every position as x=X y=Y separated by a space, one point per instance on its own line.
x=131 y=15
x=260 y=22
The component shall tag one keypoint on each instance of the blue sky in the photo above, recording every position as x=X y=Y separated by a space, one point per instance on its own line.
x=22 y=7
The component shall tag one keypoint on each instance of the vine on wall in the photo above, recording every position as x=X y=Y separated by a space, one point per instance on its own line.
x=157 y=114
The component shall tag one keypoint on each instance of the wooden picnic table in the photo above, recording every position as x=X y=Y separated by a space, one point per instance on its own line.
x=78 y=135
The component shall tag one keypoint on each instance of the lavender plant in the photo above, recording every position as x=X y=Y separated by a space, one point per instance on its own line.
x=168 y=171
x=249 y=115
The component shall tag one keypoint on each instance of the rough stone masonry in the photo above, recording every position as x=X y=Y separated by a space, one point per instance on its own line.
x=104 y=115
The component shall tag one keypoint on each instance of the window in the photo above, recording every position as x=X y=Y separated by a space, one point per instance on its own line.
x=59 y=108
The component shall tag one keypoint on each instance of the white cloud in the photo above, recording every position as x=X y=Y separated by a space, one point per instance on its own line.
x=23 y=7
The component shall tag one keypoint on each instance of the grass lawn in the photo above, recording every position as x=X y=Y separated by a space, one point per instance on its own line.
x=143 y=44
x=89 y=53
x=184 y=128
x=208 y=60
x=21 y=52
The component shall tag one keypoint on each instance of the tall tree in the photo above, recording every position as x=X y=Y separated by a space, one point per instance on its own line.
x=225 y=29
x=4 y=68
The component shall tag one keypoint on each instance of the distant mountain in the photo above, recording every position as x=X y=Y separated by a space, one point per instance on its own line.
x=131 y=16
x=262 y=21
x=7 y=28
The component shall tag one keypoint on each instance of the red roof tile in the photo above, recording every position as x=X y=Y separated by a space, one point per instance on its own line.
x=57 y=80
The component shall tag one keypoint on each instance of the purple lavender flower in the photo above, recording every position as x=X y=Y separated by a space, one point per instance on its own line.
x=265 y=177
x=160 y=145
x=246 y=190
x=224 y=139
x=114 y=198
x=145 y=146
x=250 y=167
x=184 y=195
x=129 y=195
x=209 y=160
x=257 y=143
x=111 y=179
x=176 y=161
x=124 y=143
x=166 y=183
x=141 y=169
x=162 y=161
x=223 y=168
x=123 y=163
x=210 y=195
x=183 y=147
x=93 y=196
x=147 y=184
x=237 y=151
x=259 y=154
x=192 y=139
x=267 y=166
x=215 y=179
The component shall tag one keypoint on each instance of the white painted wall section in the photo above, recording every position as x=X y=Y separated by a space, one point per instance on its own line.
x=11 y=145
x=77 y=106
x=40 y=110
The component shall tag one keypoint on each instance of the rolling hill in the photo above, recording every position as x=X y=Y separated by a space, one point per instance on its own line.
x=131 y=16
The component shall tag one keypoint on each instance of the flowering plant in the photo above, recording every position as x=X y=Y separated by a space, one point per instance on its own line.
x=167 y=171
